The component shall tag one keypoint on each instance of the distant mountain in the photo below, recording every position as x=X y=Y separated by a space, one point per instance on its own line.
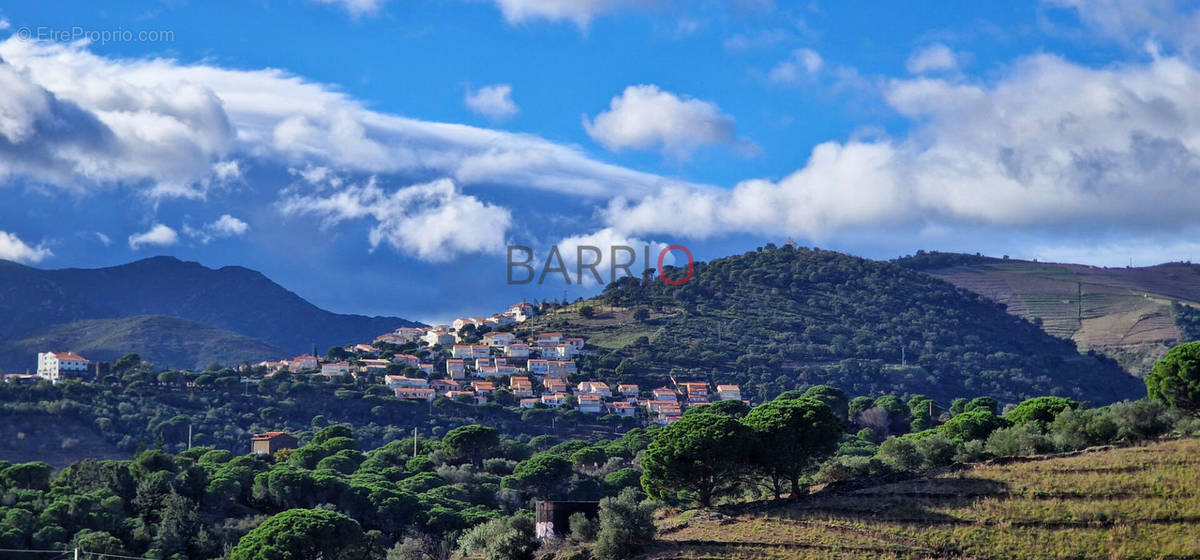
x=166 y=341
x=782 y=318
x=232 y=298
x=1131 y=314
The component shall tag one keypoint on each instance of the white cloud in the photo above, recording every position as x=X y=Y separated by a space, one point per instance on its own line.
x=494 y=102
x=433 y=221
x=762 y=39
x=357 y=7
x=228 y=226
x=104 y=239
x=933 y=58
x=72 y=119
x=159 y=235
x=580 y=12
x=1135 y=22
x=1124 y=154
x=800 y=65
x=12 y=248
x=4 y=24
x=604 y=241
x=646 y=117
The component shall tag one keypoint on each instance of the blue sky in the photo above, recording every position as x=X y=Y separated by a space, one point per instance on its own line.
x=378 y=156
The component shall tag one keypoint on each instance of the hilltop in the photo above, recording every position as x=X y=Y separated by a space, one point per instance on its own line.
x=168 y=342
x=231 y=298
x=780 y=318
x=1131 y=314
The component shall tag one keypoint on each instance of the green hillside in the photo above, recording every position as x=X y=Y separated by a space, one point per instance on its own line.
x=782 y=318
x=1130 y=314
x=168 y=342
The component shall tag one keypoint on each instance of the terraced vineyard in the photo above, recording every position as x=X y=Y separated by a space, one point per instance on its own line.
x=1136 y=502
x=1122 y=312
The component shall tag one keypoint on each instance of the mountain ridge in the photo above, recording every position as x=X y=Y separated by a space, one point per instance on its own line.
x=232 y=298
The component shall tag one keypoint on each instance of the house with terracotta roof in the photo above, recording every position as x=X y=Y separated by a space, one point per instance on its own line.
x=366 y=349
x=390 y=338
x=695 y=391
x=456 y=368
x=554 y=385
x=590 y=404
x=553 y=400
x=521 y=312
x=529 y=402
x=269 y=442
x=305 y=362
x=443 y=386
x=575 y=342
x=549 y=339
x=538 y=367
x=425 y=367
x=521 y=386
x=406 y=359
x=416 y=393
x=622 y=408
x=458 y=395
x=517 y=350
x=627 y=390
x=56 y=366
x=483 y=387
x=664 y=394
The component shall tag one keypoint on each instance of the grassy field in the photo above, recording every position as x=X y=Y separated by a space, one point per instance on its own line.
x=1136 y=502
x=609 y=327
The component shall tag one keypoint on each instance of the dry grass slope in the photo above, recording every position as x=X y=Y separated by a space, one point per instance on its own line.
x=1136 y=502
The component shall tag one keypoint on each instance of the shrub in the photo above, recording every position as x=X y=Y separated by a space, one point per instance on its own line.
x=936 y=450
x=1023 y=439
x=1077 y=429
x=1140 y=420
x=849 y=468
x=900 y=454
x=974 y=424
x=970 y=451
x=507 y=538
x=582 y=528
x=626 y=526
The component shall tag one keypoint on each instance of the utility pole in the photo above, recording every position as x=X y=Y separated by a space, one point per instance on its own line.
x=189 y=436
x=76 y=554
x=414 y=441
x=903 y=356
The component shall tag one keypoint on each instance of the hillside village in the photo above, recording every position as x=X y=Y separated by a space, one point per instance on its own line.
x=474 y=360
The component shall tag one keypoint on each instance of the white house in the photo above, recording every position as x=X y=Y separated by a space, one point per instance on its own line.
x=456 y=368
x=729 y=393
x=594 y=388
x=438 y=338
x=559 y=351
x=521 y=312
x=406 y=359
x=57 y=365
x=400 y=381
x=517 y=350
x=335 y=368
x=590 y=404
x=498 y=338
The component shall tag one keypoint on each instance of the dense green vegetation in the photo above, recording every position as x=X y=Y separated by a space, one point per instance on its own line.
x=785 y=318
x=326 y=499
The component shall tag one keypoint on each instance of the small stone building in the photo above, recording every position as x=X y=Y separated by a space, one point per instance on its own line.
x=270 y=442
